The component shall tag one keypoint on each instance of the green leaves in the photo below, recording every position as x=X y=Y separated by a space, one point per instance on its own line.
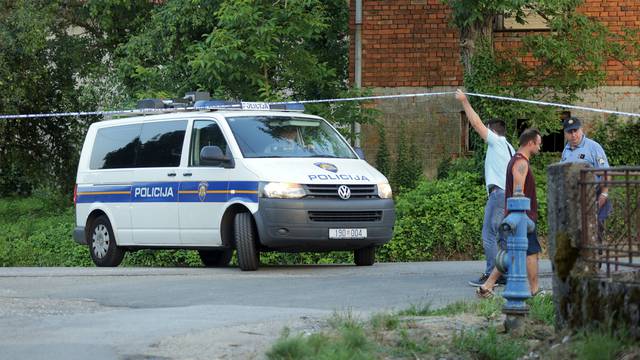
x=261 y=50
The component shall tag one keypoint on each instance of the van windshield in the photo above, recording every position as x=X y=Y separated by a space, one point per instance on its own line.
x=278 y=136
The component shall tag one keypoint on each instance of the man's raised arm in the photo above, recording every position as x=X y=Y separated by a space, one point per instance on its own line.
x=473 y=117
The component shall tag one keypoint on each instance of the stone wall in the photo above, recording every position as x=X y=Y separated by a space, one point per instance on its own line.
x=434 y=122
x=583 y=297
x=619 y=98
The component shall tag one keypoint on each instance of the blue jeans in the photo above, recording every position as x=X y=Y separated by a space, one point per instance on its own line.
x=493 y=215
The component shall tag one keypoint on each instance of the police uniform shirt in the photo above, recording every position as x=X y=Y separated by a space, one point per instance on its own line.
x=587 y=151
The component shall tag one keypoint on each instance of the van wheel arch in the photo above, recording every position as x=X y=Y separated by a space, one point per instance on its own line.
x=226 y=224
x=90 y=219
x=102 y=243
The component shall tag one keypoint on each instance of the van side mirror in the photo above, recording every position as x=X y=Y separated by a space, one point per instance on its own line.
x=360 y=152
x=213 y=156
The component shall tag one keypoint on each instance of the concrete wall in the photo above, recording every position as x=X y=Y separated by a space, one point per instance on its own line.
x=619 y=98
x=432 y=121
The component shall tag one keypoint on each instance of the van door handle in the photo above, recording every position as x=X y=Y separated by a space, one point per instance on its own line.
x=171 y=174
x=187 y=174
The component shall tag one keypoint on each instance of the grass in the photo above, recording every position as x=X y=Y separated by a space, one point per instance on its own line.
x=486 y=344
x=599 y=345
x=486 y=308
x=541 y=308
x=395 y=336
x=348 y=342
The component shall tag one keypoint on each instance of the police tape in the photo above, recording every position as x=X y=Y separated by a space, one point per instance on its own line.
x=361 y=98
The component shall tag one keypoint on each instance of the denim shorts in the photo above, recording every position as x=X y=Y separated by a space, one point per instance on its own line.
x=533 y=246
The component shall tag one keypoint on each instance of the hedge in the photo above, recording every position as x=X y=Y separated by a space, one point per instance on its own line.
x=438 y=220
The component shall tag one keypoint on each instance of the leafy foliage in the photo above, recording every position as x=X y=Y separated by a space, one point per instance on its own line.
x=408 y=163
x=382 y=158
x=40 y=62
x=554 y=65
x=438 y=219
x=344 y=115
x=101 y=54
x=619 y=140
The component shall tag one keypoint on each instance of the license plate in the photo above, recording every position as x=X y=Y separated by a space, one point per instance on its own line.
x=347 y=233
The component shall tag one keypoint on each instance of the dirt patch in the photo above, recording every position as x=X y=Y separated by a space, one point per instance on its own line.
x=249 y=341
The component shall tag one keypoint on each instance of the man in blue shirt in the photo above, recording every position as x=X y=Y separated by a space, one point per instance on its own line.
x=499 y=153
x=580 y=148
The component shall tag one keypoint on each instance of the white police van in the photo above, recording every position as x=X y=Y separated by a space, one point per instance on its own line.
x=219 y=180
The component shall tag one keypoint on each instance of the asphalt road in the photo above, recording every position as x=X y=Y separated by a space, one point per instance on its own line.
x=199 y=313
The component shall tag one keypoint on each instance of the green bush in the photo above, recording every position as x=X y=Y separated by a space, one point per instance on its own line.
x=619 y=140
x=439 y=219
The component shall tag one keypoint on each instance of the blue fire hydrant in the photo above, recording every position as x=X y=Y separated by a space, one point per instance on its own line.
x=514 y=261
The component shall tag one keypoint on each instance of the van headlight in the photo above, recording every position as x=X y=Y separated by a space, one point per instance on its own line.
x=278 y=190
x=384 y=191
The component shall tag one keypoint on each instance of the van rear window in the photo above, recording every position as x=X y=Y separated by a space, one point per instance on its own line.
x=154 y=144
x=115 y=147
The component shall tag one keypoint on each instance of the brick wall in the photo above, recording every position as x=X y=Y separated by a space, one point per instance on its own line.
x=410 y=42
x=407 y=43
x=408 y=46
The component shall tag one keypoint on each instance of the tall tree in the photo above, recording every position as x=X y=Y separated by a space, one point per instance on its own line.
x=567 y=59
x=41 y=60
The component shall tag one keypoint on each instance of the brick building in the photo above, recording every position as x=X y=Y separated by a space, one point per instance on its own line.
x=409 y=46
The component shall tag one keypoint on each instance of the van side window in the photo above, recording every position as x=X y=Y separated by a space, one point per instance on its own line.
x=205 y=133
x=161 y=143
x=115 y=147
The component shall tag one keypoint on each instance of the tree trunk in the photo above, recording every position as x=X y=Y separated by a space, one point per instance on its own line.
x=470 y=38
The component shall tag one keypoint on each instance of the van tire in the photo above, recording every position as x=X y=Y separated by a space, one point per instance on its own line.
x=245 y=237
x=102 y=244
x=215 y=258
x=365 y=256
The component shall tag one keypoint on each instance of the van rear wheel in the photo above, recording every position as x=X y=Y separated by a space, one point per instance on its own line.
x=102 y=244
x=245 y=237
x=365 y=256
x=215 y=258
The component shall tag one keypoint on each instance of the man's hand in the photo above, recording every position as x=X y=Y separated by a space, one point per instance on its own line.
x=460 y=96
x=473 y=117
x=602 y=199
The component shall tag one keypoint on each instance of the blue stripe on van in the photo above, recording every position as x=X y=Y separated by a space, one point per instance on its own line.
x=202 y=191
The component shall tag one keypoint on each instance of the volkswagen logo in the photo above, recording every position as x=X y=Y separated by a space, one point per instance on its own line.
x=344 y=192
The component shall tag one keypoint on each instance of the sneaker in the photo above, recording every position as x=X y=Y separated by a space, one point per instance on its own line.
x=481 y=280
x=502 y=280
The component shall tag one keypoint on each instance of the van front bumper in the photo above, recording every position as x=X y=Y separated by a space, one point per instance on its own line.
x=303 y=224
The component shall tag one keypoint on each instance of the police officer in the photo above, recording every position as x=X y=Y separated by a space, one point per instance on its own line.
x=580 y=148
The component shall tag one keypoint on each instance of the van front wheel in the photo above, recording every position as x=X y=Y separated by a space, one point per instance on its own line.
x=365 y=256
x=215 y=258
x=102 y=244
x=245 y=237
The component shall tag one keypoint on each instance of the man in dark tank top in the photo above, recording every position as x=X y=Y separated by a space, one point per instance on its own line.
x=520 y=181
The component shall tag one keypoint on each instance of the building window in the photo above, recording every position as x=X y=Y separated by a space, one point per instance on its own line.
x=469 y=139
x=532 y=21
x=552 y=142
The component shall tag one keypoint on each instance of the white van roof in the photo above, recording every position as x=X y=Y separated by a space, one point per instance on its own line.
x=173 y=115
